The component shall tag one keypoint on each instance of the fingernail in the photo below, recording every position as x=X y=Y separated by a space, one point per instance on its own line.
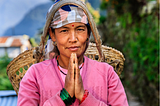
x=74 y=54
x=71 y=54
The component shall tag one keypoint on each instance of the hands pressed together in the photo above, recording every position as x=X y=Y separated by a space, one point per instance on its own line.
x=73 y=80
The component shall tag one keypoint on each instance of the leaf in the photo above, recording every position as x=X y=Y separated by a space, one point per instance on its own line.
x=129 y=18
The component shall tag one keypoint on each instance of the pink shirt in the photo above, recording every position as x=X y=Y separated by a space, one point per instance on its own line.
x=42 y=84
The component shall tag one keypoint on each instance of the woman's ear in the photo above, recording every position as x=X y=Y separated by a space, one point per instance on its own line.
x=52 y=35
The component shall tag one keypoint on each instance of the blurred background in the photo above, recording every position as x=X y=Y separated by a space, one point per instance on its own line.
x=130 y=26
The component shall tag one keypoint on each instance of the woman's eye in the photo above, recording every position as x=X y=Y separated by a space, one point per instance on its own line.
x=80 y=29
x=63 y=30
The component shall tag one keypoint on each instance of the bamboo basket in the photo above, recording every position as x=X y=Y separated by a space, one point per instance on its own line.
x=17 y=68
x=112 y=56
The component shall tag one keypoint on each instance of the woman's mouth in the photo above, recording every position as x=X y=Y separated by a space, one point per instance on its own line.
x=73 y=48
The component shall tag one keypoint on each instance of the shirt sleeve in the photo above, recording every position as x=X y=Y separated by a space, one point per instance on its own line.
x=54 y=101
x=116 y=94
x=29 y=92
x=92 y=101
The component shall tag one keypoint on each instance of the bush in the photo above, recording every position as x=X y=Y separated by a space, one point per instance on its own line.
x=136 y=36
x=4 y=80
x=142 y=49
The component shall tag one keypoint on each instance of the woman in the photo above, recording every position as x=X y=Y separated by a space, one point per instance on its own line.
x=70 y=78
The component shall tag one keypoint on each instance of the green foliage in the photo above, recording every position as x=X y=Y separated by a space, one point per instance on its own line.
x=143 y=48
x=5 y=83
x=95 y=13
x=121 y=7
x=4 y=61
x=136 y=36
x=103 y=5
x=33 y=42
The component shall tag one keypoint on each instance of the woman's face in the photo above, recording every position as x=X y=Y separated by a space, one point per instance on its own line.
x=71 y=38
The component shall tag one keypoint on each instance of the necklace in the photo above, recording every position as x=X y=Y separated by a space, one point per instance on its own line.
x=61 y=70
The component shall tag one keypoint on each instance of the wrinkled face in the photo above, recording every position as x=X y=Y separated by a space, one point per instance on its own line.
x=71 y=38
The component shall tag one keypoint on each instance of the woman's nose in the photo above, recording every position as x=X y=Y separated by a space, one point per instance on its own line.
x=73 y=37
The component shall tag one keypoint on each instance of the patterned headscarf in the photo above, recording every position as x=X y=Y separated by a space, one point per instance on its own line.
x=65 y=15
x=68 y=14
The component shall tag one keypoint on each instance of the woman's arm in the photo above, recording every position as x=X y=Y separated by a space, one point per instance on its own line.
x=116 y=94
x=92 y=101
x=54 y=101
x=29 y=94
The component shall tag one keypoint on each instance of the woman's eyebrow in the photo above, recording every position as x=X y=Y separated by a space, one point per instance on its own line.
x=80 y=26
x=76 y=27
x=64 y=27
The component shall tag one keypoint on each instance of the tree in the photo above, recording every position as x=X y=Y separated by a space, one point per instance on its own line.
x=131 y=26
x=4 y=80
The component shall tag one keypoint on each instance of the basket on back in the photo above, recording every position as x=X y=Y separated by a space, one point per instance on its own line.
x=17 y=68
x=112 y=56
x=19 y=65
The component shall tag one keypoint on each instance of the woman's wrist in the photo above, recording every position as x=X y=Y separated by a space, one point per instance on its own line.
x=80 y=96
x=66 y=97
x=84 y=96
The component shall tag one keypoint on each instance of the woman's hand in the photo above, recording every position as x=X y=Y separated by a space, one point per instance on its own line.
x=79 y=89
x=73 y=81
x=69 y=80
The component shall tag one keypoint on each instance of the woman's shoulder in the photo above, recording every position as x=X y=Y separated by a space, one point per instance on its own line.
x=100 y=67
x=96 y=63
x=44 y=63
x=40 y=69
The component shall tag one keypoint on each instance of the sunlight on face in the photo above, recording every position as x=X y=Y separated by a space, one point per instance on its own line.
x=71 y=38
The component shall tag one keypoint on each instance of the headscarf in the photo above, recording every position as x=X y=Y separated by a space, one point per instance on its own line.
x=65 y=15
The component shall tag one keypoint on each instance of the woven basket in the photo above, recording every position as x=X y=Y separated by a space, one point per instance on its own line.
x=17 y=68
x=112 y=56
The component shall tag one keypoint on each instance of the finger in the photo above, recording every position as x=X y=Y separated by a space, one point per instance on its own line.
x=77 y=67
x=76 y=60
x=77 y=71
x=74 y=63
x=71 y=65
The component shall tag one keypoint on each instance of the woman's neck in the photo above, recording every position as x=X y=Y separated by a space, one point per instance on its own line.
x=64 y=61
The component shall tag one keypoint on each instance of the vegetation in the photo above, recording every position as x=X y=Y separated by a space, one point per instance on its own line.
x=33 y=42
x=5 y=83
x=131 y=26
x=95 y=13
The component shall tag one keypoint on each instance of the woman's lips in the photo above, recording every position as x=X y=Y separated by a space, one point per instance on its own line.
x=74 y=48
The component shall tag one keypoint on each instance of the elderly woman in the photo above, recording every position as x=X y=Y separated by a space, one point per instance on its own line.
x=70 y=78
